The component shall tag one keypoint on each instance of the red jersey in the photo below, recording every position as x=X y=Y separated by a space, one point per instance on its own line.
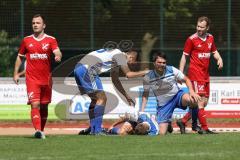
x=199 y=51
x=38 y=56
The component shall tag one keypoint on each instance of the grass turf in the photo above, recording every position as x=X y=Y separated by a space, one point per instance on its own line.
x=21 y=112
x=223 y=146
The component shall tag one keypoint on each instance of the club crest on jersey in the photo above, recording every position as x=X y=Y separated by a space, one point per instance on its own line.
x=45 y=46
x=209 y=45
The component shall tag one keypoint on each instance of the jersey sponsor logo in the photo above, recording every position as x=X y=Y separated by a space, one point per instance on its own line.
x=204 y=55
x=38 y=56
x=45 y=46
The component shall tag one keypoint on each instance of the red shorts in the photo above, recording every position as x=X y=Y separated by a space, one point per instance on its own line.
x=201 y=88
x=39 y=93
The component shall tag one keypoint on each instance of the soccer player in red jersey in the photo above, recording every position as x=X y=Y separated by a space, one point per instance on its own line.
x=199 y=47
x=37 y=49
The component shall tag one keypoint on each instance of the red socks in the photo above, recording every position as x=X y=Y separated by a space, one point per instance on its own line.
x=39 y=118
x=186 y=118
x=44 y=115
x=202 y=118
x=36 y=118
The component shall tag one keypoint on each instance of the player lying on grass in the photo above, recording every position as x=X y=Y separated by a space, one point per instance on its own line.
x=143 y=124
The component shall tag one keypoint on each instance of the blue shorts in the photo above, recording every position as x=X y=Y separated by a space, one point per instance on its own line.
x=87 y=83
x=164 y=113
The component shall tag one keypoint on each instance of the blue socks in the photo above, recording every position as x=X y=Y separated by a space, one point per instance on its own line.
x=96 y=122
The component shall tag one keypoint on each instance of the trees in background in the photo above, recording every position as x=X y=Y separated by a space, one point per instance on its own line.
x=85 y=25
x=8 y=53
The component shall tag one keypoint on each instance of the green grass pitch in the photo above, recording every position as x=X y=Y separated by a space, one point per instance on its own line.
x=224 y=146
x=22 y=112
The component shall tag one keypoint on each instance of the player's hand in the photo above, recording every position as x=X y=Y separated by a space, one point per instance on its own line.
x=220 y=64
x=58 y=58
x=194 y=97
x=16 y=78
x=146 y=70
x=130 y=116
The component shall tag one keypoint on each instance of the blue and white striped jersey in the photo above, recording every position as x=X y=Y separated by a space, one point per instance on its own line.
x=164 y=87
x=153 y=125
x=101 y=60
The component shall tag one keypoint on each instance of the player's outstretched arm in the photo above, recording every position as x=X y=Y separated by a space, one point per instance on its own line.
x=117 y=84
x=119 y=121
x=18 y=63
x=131 y=74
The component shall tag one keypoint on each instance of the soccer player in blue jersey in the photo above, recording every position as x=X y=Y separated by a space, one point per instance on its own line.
x=162 y=80
x=147 y=125
x=87 y=73
x=143 y=124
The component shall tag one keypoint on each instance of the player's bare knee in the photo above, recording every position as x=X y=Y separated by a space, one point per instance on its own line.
x=192 y=104
x=186 y=100
x=101 y=98
x=162 y=132
x=35 y=105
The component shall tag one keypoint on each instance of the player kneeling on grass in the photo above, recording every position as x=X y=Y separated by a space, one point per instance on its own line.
x=162 y=80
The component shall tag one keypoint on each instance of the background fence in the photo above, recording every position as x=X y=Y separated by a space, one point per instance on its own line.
x=84 y=25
